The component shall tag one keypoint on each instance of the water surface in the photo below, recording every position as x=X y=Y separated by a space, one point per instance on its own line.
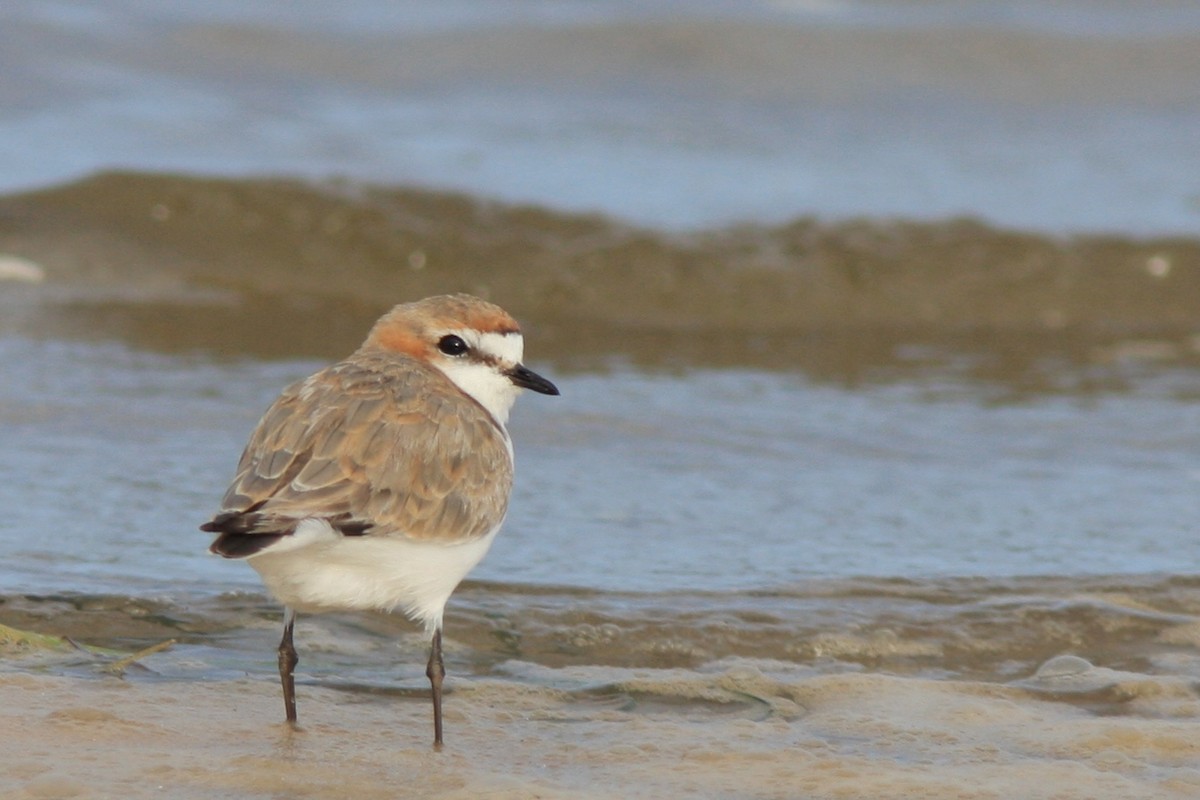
x=1073 y=116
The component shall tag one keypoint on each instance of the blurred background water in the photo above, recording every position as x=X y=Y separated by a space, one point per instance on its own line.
x=1064 y=116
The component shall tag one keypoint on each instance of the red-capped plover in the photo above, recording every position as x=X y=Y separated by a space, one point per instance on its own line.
x=381 y=481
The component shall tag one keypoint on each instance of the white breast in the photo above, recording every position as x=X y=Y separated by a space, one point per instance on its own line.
x=318 y=569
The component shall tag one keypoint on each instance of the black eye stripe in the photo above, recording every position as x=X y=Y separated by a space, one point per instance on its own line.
x=452 y=345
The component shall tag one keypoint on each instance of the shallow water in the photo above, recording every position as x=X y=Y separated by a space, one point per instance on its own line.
x=729 y=479
x=819 y=738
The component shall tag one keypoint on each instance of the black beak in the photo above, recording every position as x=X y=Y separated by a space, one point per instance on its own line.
x=528 y=379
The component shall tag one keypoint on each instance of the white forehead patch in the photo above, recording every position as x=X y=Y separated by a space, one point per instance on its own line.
x=508 y=347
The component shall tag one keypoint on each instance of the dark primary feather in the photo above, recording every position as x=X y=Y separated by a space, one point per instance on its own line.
x=242 y=545
x=246 y=533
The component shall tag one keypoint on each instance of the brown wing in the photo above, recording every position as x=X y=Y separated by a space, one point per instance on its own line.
x=377 y=445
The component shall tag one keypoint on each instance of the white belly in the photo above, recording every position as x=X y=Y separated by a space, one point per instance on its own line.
x=318 y=569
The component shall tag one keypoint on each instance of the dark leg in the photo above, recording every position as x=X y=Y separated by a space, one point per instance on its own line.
x=287 y=665
x=436 y=671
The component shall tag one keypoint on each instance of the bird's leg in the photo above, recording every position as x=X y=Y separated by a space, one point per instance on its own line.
x=436 y=670
x=287 y=665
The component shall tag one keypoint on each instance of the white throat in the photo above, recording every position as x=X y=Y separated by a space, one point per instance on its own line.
x=485 y=381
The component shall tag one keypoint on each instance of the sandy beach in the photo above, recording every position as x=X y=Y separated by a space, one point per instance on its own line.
x=802 y=735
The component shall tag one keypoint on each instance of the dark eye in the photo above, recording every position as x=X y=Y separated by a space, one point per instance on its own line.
x=452 y=345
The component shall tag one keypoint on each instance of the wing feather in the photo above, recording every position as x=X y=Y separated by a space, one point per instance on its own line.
x=377 y=444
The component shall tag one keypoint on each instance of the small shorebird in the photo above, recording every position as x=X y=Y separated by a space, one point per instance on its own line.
x=380 y=481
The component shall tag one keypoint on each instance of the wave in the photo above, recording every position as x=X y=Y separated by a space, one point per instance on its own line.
x=278 y=267
x=988 y=629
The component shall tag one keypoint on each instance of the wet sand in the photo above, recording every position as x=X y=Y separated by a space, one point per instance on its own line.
x=801 y=735
x=890 y=706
